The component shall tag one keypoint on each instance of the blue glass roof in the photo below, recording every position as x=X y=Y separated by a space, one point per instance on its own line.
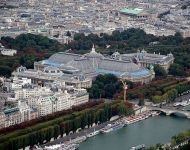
x=139 y=73
x=51 y=63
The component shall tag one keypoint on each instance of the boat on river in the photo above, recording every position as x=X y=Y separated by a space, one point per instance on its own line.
x=155 y=113
x=94 y=133
x=185 y=103
x=78 y=140
x=133 y=119
x=138 y=147
x=111 y=127
x=60 y=147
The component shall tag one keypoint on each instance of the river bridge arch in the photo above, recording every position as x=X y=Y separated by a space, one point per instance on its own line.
x=169 y=112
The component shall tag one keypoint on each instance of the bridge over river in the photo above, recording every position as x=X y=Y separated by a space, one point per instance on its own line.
x=169 y=111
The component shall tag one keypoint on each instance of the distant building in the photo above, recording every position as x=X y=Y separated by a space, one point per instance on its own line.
x=2 y=2
x=185 y=33
x=34 y=113
x=18 y=83
x=48 y=104
x=144 y=59
x=8 y=52
x=12 y=116
x=58 y=101
x=33 y=101
x=135 y=13
x=51 y=73
x=15 y=115
x=78 y=97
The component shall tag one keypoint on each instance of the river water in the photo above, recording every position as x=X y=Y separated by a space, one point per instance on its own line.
x=151 y=131
x=187 y=108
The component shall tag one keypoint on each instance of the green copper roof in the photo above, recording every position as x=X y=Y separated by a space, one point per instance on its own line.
x=11 y=110
x=132 y=11
x=52 y=98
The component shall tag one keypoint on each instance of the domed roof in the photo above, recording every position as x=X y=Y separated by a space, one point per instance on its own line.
x=83 y=64
x=93 y=53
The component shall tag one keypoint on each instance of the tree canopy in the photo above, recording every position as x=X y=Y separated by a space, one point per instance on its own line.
x=60 y=123
x=159 y=71
x=38 y=47
x=105 y=86
x=29 y=48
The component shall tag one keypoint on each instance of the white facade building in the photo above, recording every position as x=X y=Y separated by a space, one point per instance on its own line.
x=78 y=97
x=58 y=101
x=47 y=104
x=39 y=101
x=24 y=93
x=18 y=83
x=15 y=115
x=8 y=52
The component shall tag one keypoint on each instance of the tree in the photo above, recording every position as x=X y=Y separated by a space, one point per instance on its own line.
x=5 y=71
x=172 y=94
x=157 y=99
x=176 y=70
x=56 y=131
x=105 y=86
x=141 y=102
x=159 y=71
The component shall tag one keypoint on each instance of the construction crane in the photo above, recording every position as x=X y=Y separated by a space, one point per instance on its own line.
x=125 y=87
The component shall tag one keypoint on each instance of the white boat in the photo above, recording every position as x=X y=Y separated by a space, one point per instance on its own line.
x=106 y=129
x=117 y=125
x=176 y=104
x=93 y=133
x=138 y=147
x=78 y=140
x=185 y=103
x=130 y=120
x=111 y=127
x=155 y=113
x=61 y=147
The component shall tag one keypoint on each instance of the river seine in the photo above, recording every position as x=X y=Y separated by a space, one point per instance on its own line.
x=151 y=131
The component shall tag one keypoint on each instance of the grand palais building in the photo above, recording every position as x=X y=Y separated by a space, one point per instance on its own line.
x=131 y=67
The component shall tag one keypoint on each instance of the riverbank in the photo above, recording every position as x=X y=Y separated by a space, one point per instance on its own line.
x=140 y=121
x=78 y=134
x=122 y=120
x=60 y=124
x=158 y=129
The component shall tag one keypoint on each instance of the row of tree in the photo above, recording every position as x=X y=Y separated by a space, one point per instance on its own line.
x=125 y=40
x=43 y=132
x=181 y=137
x=24 y=42
x=30 y=48
x=49 y=117
x=166 y=97
x=171 y=92
x=130 y=40
x=164 y=90
x=161 y=90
